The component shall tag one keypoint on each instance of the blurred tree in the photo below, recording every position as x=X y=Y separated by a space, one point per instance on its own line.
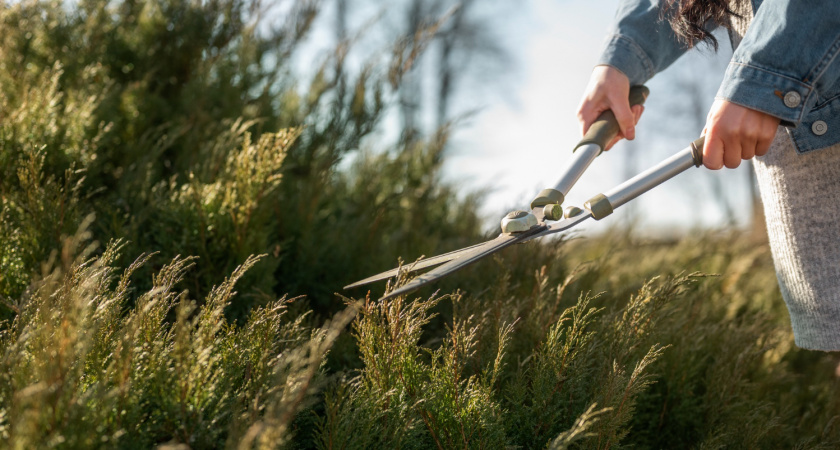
x=469 y=47
x=410 y=95
x=463 y=47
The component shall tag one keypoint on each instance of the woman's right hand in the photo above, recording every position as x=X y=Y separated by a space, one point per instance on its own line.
x=609 y=89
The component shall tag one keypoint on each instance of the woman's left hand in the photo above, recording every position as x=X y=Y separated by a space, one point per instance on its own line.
x=734 y=132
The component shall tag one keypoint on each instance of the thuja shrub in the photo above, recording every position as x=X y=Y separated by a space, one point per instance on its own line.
x=82 y=369
x=173 y=122
x=176 y=129
x=573 y=356
x=457 y=395
x=408 y=397
x=547 y=361
x=176 y=132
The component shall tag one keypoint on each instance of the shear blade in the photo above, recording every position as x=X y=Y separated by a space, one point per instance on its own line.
x=458 y=259
x=465 y=258
x=418 y=265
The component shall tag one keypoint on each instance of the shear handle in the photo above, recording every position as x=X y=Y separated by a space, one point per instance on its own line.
x=605 y=128
x=603 y=205
x=600 y=133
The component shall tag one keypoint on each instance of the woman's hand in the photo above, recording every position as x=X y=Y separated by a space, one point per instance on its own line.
x=734 y=132
x=609 y=88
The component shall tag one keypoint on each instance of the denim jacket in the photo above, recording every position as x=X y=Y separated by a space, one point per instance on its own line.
x=787 y=65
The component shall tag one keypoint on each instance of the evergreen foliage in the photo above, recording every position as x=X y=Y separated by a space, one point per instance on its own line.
x=158 y=156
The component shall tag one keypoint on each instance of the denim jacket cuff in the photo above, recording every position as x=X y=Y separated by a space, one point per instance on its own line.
x=753 y=87
x=625 y=55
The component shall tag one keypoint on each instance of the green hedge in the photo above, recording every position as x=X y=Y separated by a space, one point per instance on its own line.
x=157 y=157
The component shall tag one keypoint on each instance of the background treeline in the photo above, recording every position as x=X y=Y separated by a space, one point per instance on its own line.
x=157 y=157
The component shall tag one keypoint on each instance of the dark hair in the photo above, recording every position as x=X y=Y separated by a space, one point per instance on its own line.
x=688 y=17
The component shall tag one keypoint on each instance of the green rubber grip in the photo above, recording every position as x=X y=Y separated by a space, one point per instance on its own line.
x=599 y=206
x=605 y=127
x=697 y=151
x=548 y=197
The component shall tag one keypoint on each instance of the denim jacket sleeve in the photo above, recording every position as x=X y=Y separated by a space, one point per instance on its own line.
x=787 y=65
x=640 y=44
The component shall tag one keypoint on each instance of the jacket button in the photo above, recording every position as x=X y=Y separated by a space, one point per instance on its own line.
x=792 y=99
x=819 y=127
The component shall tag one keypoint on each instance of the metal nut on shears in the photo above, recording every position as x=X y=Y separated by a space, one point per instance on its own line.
x=518 y=221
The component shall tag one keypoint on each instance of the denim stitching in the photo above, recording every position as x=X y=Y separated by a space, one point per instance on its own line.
x=826 y=60
x=640 y=52
x=771 y=72
x=817 y=106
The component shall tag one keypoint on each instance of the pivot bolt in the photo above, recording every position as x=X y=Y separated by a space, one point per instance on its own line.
x=518 y=221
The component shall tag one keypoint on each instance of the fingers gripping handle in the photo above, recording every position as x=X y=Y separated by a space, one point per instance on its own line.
x=594 y=142
x=605 y=127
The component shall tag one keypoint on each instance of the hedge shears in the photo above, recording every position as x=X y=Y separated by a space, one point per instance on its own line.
x=546 y=215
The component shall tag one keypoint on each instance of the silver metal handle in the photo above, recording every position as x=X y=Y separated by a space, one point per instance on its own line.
x=602 y=205
x=581 y=159
x=650 y=178
x=597 y=137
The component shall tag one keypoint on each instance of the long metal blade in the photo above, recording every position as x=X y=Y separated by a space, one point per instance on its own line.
x=488 y=248
x=467 y=258
x=419 y=265
x=555 y=227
